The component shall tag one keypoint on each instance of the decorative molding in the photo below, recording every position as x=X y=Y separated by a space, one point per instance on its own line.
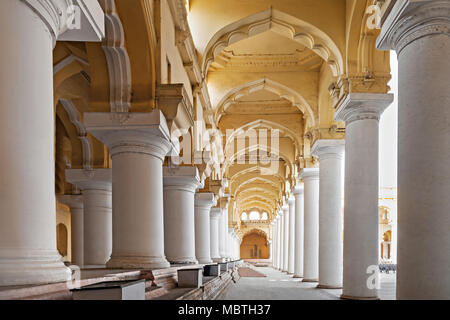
x=141 y=133
x=363 y=106
x=325 y=149
x=173 y=100
x=67 y=61
x=81 y=131
x=117 y=58
x=409 y=20
x=54 y=14
x=301 y=32
x=94 y=179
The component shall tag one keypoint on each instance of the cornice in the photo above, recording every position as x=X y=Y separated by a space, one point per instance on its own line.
x=95 y=179
x=363 y=106
x=54 y=14
x=325 y=149
x=409 y=20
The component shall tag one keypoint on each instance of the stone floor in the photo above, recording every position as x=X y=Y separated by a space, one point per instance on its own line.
x=279 y=286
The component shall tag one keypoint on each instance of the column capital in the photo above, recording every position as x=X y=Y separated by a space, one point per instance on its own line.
x=299 y=190
x=328 y=148
x=205 y=199
x=291 y=201
x=309 y=173
x=285 y=208
x=59 y=16
x=409 y=20
x=215 y=213
x=72 y=201
x=363 y=106
x=95 y=179
x=141 y=133
x=181 y=178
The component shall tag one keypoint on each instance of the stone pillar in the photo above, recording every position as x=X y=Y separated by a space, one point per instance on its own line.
x=281 y=239
x=229 y=239
x=138 y=143
x=285 y=237
x=28 y=253
x=75 y=203
x=180 y=184
x=222 y=235
x=310 y=178
x=203 y=232
x=97 y=203
x=361 y=113
x=330 y=154
x=291 y=252
x=274 y=242
x=299 y=231
x=419 y=32
x=215 y=224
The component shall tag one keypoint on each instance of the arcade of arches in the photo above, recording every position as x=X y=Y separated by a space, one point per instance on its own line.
x=140 y=137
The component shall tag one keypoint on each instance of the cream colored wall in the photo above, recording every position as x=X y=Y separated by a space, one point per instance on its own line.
x=170 y=51
x=63 y=216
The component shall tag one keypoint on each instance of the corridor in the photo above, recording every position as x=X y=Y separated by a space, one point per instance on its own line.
x=280 y=286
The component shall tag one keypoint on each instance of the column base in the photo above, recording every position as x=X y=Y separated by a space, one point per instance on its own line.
x=205 y=261
x=31 y=267
x=138 y=263
x=310 y=280
x=346 y=297
x=325 y=286
x=218 y=260
x=182 y=260
x=297 y=276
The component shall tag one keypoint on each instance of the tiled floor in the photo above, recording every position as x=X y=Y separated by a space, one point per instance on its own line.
x=279 y=286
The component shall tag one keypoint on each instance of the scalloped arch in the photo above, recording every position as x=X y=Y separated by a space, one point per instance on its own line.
x=286 y=26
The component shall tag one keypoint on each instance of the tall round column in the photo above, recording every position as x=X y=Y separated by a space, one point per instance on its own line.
x=299 y=231
x=138 y=143
x=97 y=203
x=285 y=237
x=361 y=113
x=310 y=178
x=28 y=253
x=419 y=32
x=215 y=224
x=203 y=243
x=180 y=184
x=222 y=234
x=75 y=203
x=330 y=154
x=291 y=252
x=279 y=237
x=274 y=242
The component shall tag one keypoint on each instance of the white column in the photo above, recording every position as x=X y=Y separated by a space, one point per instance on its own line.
x=285 y=237
x=180 y=184
x=138 y=143
x=203 y=234
x=419 y=32
x=97 y=202
x=75 y=203
x=361 y=113
x=279 y=239
x=222 y=235
x=28 y=252
x=215 y=225
x=274 y=242
x=291 y=250
x=310 y=178
x=230 y=234
x=330 y=154
x=299 y=231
